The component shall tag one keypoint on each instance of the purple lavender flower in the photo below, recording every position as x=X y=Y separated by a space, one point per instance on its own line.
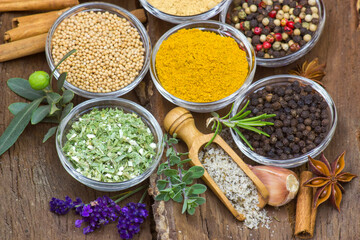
x=131 y=217
x=97 y=213
x=61 y=207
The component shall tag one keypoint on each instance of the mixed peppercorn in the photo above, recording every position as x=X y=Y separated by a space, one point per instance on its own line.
x=301 y=123
x=275 y=28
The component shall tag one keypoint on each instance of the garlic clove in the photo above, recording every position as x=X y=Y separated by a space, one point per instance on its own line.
x=282 y=183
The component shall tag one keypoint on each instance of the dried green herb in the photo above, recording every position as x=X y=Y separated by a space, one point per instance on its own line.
x=177 y=181
x=110 y=145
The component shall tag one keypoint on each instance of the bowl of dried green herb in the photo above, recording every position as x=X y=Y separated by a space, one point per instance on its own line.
x=109 y=144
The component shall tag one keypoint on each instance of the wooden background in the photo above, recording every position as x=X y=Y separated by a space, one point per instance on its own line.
x=31 y=173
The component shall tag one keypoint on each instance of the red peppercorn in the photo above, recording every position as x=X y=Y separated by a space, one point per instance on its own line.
x=290 y=24
x=242 y=26
x=270 y=38
x=257 y=30
x=266 y=45
x=262 y=4
x=299 y=6
x=272 y=14
x=259 y=47
x=278 y=37
x=288 y=30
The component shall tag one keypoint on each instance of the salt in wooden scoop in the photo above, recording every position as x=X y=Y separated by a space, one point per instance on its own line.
x=180 y=121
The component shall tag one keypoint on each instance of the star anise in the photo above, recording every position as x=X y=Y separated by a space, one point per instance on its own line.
x=311 y=70
x=328 y=181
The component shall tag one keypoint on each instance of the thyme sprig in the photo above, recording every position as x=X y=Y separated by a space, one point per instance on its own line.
x=177 y=182
x=238 y=121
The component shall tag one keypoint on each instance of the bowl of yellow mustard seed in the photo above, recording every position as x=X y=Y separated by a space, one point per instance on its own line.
x=112 y=50
x=202 y=65
x=176 y=11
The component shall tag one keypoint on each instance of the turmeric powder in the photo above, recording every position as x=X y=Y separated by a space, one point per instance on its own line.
x=201 y=66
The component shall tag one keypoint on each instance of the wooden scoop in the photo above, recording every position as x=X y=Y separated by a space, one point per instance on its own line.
x=181 y=122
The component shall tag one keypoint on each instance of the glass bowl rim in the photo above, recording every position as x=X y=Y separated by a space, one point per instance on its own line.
x=187 y=25
x=292 y=162
x=135 y=22
x=150 y=120
x=298 y=54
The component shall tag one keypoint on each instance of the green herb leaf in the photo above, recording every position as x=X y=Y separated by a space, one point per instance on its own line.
x=160 y=197
x=53 y=109
x=199 y=200
x=22 y=88
x=178 y=197
x=161 y=184
x=184 y=206
x=17 y=126
x=67 y=96
x=174 y=160
x=53 y=97
x=66 y=110
x=188 y=177
x=170 y=172
x=61 y=80
x=48 y=135
x=39 y=114
x=15 y=108
x=197 y=189
x=197 y=171
x=191 y=210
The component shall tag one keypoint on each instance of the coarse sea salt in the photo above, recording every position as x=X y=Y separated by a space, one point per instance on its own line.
x=237 y=187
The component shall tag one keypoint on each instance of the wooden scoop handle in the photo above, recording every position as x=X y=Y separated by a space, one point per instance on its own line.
x=181 y=122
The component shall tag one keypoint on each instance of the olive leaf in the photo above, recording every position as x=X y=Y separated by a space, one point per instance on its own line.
x=61 y=80
x=67 y=96
x=53 y=97
x=63 y=59
x=39 y=114
x=15 y=108
x=22 y=88
x=66 y=110
x=51 y=132
x=17 y=126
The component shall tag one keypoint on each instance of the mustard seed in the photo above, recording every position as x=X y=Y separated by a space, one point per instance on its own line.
x=110 y=53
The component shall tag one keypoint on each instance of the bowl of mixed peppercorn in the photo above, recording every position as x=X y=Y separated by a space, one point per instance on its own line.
x=109 y=144
x=281 y=31
x=304 y=124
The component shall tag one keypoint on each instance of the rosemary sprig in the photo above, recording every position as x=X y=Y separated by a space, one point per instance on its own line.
x=239 y=121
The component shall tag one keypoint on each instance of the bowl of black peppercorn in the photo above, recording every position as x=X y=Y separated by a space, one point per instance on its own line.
x=304 y=124
x=281 y=31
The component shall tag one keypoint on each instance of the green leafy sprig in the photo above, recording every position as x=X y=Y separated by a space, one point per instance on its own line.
x=178 y=182
x=57 y=106
x=239 y=121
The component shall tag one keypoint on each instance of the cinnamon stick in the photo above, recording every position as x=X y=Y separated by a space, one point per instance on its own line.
x=32 y=25
x=22 y=47
x=36 y=5
x=37 y=18
x=305 y=213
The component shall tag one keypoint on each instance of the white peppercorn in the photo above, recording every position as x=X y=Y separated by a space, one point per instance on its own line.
x=312 y=27
x=265 y=21
x=307 y=37
x=308 y=18
x=253 y=8
x=263 y=38
x=312 y=2
x=314 y=9
x=277 y=22
x=297 y=32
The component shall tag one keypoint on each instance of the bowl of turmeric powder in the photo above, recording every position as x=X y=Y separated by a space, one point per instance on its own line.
x=202 y=65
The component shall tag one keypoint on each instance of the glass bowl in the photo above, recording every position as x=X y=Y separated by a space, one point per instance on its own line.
x=101 y=7
x=286 y=60
x=127 y=106
x=293 y=162
x=181 y=19
x=219 y=28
